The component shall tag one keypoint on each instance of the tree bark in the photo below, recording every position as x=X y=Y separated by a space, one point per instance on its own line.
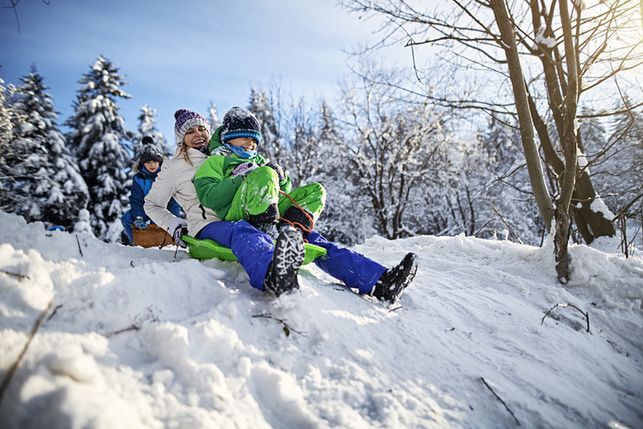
x=527 y=136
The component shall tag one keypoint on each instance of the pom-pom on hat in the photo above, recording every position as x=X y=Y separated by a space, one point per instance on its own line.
x=186 y=119
x=149 y=151
x=238 y=123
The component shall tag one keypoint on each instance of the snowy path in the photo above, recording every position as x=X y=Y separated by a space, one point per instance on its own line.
x=141 y=340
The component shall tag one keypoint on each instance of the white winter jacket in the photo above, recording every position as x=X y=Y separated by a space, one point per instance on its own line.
x=175 y=180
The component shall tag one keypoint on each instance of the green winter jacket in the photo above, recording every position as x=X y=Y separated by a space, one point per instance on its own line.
x=214 y=183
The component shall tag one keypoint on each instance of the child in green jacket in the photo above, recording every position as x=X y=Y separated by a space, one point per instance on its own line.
x=250 y=195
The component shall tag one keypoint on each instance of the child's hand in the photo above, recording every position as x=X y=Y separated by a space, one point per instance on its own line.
x=278 y=170
x=243 y=169
x=139 y=223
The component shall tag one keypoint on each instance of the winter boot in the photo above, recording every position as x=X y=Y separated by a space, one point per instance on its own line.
x=125 y=239
x=299 y=218
x=394 y=280
x=287 y=258
x=265 y=220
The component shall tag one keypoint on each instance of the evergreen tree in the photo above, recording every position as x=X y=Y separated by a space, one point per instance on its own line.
x=7 y=156
x=5 y=118
x=344 y=198
x=97 y=139
x=147 y=127
x=213 y=117
x=266 y=109
x=46 y=184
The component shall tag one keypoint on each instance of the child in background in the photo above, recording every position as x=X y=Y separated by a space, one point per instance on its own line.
x=147 y=167
x=249 y=195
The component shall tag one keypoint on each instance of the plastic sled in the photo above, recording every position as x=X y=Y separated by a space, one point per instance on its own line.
x=209 y=249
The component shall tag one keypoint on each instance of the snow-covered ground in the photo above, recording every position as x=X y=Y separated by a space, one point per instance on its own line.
x=143 y=338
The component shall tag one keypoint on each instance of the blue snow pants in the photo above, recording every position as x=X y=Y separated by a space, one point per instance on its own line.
x=254 y=248
x=127 y=222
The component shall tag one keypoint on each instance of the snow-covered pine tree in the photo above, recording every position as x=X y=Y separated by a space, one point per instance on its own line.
x=266 y=109
x=343 y=197
x=46 y=184
x=5 y=117
x=147 y=127
x=6 y=150
x=97 y=139
x=213 y=117
x=505 y=199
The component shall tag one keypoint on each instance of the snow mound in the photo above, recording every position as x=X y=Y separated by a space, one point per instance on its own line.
x=151 y=338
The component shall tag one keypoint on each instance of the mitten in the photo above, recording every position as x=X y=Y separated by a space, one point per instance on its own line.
x=243 y=169
x=139 y=223
x=178 y=227
x=278 y=170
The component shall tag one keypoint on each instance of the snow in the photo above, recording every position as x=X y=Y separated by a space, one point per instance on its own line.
x=143 y=338
x=549 y=42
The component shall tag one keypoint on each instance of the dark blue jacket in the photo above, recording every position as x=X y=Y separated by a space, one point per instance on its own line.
x=141 y=185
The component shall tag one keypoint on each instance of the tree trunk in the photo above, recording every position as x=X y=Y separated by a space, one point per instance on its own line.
x=591 y=224
x=527 y=137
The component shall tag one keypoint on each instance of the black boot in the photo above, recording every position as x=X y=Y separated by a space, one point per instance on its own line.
x=265 y=220
x=394 y=280
x=287 y=258
x=299 y=218
x=125 y=239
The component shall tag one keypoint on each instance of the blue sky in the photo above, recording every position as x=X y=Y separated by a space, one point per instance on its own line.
x=183 y=54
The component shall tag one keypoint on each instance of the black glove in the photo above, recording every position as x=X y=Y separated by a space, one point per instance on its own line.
x=280 y=171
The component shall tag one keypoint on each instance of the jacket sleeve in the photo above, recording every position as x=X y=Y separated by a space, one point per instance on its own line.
x=156 y=201
x=286 y=184
x=214 y=190
x=137 y=200
x=175 y=208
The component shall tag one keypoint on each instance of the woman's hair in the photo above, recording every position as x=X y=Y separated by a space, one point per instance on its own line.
x=183 y=153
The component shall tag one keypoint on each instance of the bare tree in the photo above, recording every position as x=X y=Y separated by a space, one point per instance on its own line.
x=556 y=54
x=393 y=145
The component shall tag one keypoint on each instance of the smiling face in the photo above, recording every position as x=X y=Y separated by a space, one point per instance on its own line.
x=196 y=137
x=245 y=142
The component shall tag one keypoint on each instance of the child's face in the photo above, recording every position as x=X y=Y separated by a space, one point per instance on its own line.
x=245 y=142
x=196 y=137
x=152 y=166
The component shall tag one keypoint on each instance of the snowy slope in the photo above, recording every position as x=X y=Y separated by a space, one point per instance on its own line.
x=141 y=338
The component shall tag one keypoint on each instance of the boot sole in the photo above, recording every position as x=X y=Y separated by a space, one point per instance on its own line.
x=287 y=259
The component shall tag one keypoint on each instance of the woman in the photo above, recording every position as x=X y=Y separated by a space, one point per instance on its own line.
x=175 y=179
x=273 y=264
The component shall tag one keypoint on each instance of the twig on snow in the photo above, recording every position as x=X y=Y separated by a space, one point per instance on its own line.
x=53 y=313
x=565 y=305
x=132 y=327
x=500 y=399
x=79 y=249
x=7 y=378
x=286 y=327
x=20 y=276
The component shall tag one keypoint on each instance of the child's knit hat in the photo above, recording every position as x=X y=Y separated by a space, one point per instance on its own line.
x=186 y=119
x=149 y=151
x=238 y=123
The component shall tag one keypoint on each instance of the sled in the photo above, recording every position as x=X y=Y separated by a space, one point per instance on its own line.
x=150 y=237
x=209 y=249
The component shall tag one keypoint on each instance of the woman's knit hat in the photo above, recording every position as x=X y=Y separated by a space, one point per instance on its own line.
x=186 y=119
x=238 y=123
